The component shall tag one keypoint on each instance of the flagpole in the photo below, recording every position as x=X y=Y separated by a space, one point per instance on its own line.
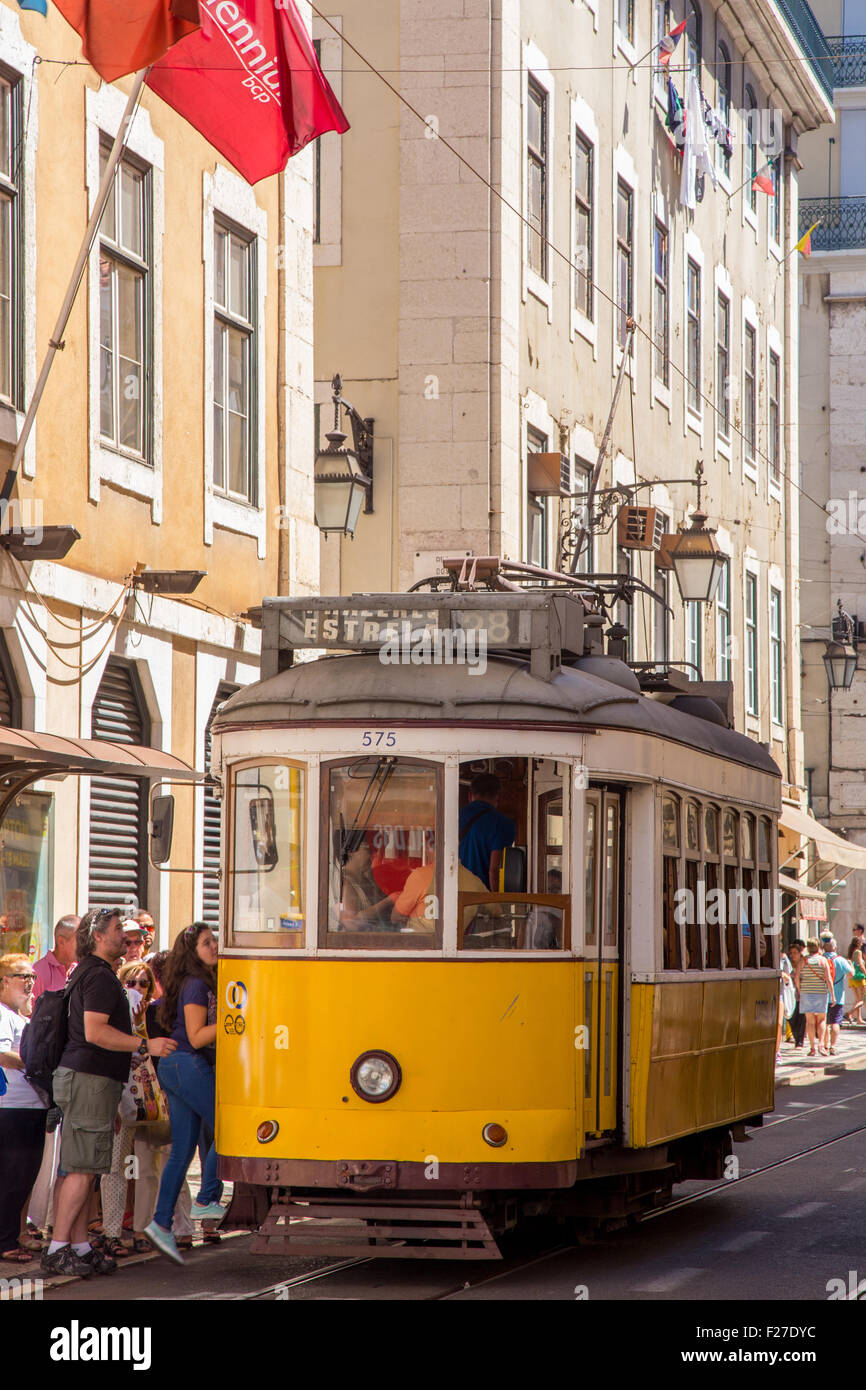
x=55 y=342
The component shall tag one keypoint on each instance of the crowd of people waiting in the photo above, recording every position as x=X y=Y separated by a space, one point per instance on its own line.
x=814 y=978
x=96 y=1170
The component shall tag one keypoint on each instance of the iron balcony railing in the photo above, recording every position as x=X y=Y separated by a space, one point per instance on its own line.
x=843 y=222
x=849 y=59
x=810 y=37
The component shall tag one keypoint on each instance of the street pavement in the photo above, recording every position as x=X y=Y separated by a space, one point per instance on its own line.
x=797 y=1068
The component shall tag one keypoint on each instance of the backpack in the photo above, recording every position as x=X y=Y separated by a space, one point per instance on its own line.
x=45 y=1036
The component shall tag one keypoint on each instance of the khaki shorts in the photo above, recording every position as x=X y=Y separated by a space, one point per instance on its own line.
x=89 y=1105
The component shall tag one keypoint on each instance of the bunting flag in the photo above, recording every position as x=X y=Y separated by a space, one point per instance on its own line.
x=669 y=43
x=804 y=245
x=40 y=6
x=122 y=36
x=250 y=82
x=764 y=183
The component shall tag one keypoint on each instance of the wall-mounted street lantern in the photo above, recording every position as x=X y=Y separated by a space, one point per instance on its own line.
x=840 y=653
x=343 y=478
x=697 y=560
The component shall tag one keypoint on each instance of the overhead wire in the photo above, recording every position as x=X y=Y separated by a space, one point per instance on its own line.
x=563 y=256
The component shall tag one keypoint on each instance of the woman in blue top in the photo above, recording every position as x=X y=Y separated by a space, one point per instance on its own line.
x=189 y=1009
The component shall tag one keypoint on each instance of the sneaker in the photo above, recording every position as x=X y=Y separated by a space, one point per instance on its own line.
x=65 y=1261
x=99 y=1261
x=212 y=1211
x=164 y=1242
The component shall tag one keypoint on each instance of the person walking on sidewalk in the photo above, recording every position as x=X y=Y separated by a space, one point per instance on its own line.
x=797 y=1021
x=816 y=986
x=87 y=1087
x=841 y=968
x=858 y=979
x=22 y=1108
x=188 y=1080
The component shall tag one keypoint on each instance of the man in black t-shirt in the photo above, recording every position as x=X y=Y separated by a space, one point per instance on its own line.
x=88 y=1085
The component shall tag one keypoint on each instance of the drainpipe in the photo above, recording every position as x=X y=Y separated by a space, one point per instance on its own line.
x=283 y=548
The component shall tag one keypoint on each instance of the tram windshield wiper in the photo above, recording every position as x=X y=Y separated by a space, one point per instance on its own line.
x=352 y=837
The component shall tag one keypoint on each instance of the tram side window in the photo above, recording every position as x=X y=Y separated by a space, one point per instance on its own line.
x=382 y=884
x=694 y=949
x=713 y=916
x=730 y=847
x=769 y=924
x=267 y=893
x=673 y=956
x=749 y=901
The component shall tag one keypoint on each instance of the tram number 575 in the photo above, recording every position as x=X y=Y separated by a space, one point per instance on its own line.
x=378 y=738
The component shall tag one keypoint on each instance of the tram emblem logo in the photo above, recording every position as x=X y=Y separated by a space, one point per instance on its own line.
x=236 y=994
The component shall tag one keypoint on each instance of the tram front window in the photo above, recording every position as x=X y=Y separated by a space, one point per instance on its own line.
x=267 y=848
x=382 y=889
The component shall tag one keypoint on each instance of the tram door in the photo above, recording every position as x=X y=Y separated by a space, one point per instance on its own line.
x=603 y=861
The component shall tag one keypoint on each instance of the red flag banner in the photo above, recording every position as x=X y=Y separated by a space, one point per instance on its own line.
x=764 y=184
x=250 y=82
x=121 y=36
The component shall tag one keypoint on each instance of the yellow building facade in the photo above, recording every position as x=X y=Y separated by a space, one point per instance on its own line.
x=176 y=433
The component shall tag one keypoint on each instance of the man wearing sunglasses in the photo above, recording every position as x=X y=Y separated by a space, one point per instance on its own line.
x=87 y=1087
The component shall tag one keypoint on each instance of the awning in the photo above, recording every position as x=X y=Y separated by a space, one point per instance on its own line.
x=829 y=846
x=812 y=902
x=26 y=757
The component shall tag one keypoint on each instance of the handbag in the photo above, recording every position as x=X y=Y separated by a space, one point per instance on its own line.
x=145 y=1092
x=789 y=999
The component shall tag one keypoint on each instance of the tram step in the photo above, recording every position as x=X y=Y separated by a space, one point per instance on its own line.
x=428 y=1231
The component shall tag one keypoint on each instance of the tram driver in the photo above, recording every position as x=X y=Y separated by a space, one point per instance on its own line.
x=363 y=906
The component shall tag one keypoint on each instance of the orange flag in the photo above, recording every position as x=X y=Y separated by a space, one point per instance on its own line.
x=121 y=36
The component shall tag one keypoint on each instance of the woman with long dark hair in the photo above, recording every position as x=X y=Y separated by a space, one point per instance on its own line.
x=188 y=1009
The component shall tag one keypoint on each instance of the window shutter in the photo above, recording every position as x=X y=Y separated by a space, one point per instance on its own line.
x=10 y=702
x=118 y=805
x=212 y=824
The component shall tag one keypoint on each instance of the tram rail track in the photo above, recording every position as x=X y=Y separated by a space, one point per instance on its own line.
x=330 y=1271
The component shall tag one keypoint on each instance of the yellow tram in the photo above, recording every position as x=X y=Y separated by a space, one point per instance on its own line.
x=409 y=1062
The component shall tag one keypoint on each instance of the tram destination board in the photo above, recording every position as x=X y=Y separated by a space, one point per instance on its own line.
x=548 y=626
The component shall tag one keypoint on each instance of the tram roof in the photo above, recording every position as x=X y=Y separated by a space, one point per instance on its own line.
x=333 y=689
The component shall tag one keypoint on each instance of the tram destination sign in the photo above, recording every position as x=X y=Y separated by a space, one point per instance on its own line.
x=548 y=626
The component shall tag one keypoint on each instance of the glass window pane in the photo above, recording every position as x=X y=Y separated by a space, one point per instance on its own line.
x=535 y=118
x=237 y=375
x=239 y=271
x=218 y=446
x=383 y=886
x=670 y=824
x=131 y=209
x=711 y=830
x=6 y=342
x=267 y=868
x=611 y=874
x=6 y=154
x=130 y=286
x=219 y=336
x=693 y=840
x=590 y=841
x=730 y=835
x=748 y=826
x=106 y=338
x=108 y=224
x=220 y=245
x=237 y=443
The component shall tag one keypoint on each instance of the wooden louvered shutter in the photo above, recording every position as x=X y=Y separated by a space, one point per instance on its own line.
x=10 y=702
x=118 y=805
x=211 y=825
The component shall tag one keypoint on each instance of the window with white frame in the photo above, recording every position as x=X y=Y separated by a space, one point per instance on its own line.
x=625 y=19
x=693 y=335
x=750 y=150
x=661 y=365
x=774 y=440
x=694 y=639
x=723 y=625
x=11 y=239
x=624 y=609
x=234 y=354
x=624 y=256
x=537 y=176
x=751 y=625
x=750 y=391
x=582 y=476
x=723 y=103
x=776 y=669
x=723 y=358
x=661 y=625
x=661 y=26
x=537 y=537
x=126 y=308
x=584 y=161
x=693 y=37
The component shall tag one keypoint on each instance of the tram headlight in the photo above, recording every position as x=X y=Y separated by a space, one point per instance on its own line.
x=376 y=1076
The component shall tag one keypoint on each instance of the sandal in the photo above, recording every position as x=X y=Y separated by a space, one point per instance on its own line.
x=17 y=1257
x=183 y=1242
x=141 y=1246
x=115 y=1248
x=29 y=1242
